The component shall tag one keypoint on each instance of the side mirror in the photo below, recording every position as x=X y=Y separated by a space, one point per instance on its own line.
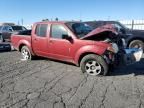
x=67 y=37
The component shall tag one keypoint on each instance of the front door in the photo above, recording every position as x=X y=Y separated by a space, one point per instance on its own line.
x=59 y=48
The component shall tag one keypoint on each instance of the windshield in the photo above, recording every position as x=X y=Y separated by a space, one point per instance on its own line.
x=18 y=28
x=80 y=29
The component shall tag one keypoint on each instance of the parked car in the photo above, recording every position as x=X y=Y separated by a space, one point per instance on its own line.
x=75 y=42
x=7 y=30
x=5 y=47
x=134 y=38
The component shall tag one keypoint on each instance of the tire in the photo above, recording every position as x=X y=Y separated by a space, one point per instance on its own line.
x=26 y=54
x=94 y=65
x=136 y=44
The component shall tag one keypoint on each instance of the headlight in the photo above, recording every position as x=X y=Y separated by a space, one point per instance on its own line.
x=113 y=48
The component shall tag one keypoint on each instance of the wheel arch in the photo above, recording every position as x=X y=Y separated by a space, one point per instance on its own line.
x=83 y=55
x=136 y=38
x=90 y=49
x=21 y=44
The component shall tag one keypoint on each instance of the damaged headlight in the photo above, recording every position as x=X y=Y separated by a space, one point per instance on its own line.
x=113 y=48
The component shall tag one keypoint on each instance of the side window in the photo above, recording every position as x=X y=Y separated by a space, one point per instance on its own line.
x=57 y=31
x=5 y=29
x=41 y=30
x=9 y=29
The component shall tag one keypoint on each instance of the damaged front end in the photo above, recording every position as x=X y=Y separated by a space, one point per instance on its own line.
x=123 y=57
x=116 y=54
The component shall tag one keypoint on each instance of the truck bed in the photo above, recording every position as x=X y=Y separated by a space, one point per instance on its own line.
x=24 y=36
x=17 y=39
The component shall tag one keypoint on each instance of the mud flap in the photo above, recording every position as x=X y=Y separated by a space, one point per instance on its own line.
x=132 y=55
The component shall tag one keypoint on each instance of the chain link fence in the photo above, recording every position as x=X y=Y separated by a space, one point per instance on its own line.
x=133 y=24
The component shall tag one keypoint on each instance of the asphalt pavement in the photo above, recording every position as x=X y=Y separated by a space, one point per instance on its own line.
x=43 y=83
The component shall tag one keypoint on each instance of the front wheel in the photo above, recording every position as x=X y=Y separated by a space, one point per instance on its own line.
x=94 y=65
x=25 y=53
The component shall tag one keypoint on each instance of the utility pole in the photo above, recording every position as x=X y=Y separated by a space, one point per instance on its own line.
x=132 y=24
x=18 y=22
x=80 y=17
x=22 y=21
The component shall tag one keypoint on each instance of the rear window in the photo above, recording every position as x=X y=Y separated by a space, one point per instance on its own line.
x=41 y=30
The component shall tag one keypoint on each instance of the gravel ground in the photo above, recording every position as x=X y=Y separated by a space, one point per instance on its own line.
x=43 y=83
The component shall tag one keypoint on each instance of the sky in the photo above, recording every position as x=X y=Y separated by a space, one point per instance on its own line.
x=86 y=10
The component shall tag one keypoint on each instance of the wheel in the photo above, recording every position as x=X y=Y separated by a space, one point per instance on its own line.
x=25 y=53
x=94 y=65
x=136 y=44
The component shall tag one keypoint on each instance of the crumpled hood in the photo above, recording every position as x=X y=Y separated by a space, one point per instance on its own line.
x=101 y=29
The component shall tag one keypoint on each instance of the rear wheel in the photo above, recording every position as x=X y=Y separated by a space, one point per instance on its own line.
x=94 y=65
x=25 y=53
x=136 y=44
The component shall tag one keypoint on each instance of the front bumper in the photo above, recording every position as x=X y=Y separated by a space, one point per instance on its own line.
x=124 y=57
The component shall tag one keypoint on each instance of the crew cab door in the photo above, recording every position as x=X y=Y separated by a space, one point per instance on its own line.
x=40 y=39
x=59 y=48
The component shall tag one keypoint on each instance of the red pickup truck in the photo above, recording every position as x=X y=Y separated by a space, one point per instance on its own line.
x=75 y=42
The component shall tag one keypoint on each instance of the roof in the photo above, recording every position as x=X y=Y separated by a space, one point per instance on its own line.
x=96 y=24
x=60 y=22
x=10 y=24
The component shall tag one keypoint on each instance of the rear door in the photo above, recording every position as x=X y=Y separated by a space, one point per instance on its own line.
x=40 y=40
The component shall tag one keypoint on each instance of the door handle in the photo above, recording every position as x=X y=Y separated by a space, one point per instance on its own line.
x=35 y=39
x=51 y=41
